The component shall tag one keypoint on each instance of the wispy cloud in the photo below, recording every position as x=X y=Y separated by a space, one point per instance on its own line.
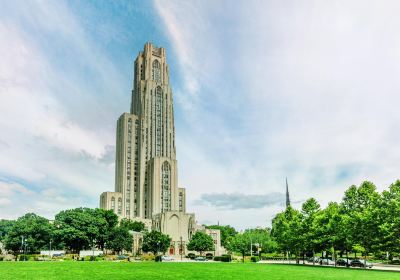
x=55 y=137
x=305 y=90
x=237 y=201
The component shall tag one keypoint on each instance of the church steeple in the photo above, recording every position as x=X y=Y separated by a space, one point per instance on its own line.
x=287 y=194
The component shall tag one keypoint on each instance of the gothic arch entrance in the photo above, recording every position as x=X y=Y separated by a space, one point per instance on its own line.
x=171 y=250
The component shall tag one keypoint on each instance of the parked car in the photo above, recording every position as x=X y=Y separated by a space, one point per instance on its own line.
x=167 y=258
x=360 y=263
x=343 y=262
x=326 y=262
x=200 y=259
x=313 y=259
x=122 y=257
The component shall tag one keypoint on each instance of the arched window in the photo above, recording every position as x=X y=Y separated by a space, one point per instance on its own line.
x=119 y=206
x=165 y=187
x=156 y=71
x=159 y=121
x=113 y=203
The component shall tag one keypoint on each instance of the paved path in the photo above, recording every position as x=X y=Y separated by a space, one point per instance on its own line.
x=376 y=266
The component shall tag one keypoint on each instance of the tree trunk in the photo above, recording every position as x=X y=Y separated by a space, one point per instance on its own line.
x=347 y=258
x=243 y=256
x=313 y=257
x=334 y=256
x=365 y=260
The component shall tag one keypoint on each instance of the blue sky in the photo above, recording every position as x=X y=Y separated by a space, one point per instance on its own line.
x=264 y=90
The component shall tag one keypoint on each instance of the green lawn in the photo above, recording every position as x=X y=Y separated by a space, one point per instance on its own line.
x=209 y=271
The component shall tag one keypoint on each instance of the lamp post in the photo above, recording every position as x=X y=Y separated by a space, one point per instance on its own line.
x=181 y=251
x=25 y=251
x=158 y=248
x=93 y=250
x=50 y=255
x=22 y=244
x=251 y=247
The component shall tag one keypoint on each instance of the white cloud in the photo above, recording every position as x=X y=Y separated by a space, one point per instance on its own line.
x=307 y=90
x=55 y=132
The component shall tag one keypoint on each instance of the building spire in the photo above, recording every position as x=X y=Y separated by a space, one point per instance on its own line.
x=287 y=194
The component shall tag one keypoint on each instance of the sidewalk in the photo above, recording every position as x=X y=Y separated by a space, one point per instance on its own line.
x=377 y=266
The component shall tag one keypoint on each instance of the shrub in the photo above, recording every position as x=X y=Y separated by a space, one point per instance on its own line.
x=191 y=256
x=158 y=259
x=226 y=258
x=147 y=257
x=23 y=257
x=255 y=259
x=209 y=256
x=217 y=259
x=1 y=258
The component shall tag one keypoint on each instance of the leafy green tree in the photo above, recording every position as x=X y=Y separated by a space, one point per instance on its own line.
x=309 y=211
x=239 y=243
x=111 y=221
x=226 y=232
x=34 y=229
x=155 y=241
x=201 y=242
x=286 y=229
x=329 y=228
x=119 y=239
x=5 y=227
x=132 y=225
x=361 y=205
x=82 y=228
x=389 y=219
x=260 y=238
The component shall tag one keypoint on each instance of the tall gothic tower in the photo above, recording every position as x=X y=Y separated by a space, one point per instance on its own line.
x=146 y=180
x=287 y=195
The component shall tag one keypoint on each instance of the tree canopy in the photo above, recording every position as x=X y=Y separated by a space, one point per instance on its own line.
x=155 y=241
x=201 y=242
x=226 y=232
x=32 y=230
x=119 y=239
x=132 y=225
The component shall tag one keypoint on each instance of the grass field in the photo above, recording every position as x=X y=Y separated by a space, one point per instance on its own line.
x=209 y=271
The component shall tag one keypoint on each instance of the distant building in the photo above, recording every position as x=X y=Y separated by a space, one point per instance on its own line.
x=146 y=169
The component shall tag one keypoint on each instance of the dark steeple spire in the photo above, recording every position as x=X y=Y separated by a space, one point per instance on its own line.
x=287 y=195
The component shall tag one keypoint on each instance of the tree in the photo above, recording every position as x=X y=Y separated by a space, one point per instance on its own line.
x=389 y=219
x=35 y=230
x=155 y=241
x=201 y=242
x=286 y=229
x=309 y=211
x=361 y=205
x=82 y=228
x=239 y=243
x=111 y=221
x=119 y=239
x=5 y=227
x=328 y=226
x=260 y=238
x=226 y=232
x=132 y=225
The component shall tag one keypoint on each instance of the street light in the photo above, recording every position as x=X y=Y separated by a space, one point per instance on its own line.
x=181 y=251
x=50 y=255
x=158 y=249
x=92 y=249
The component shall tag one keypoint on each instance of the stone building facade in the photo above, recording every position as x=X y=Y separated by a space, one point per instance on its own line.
x=146 y=169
